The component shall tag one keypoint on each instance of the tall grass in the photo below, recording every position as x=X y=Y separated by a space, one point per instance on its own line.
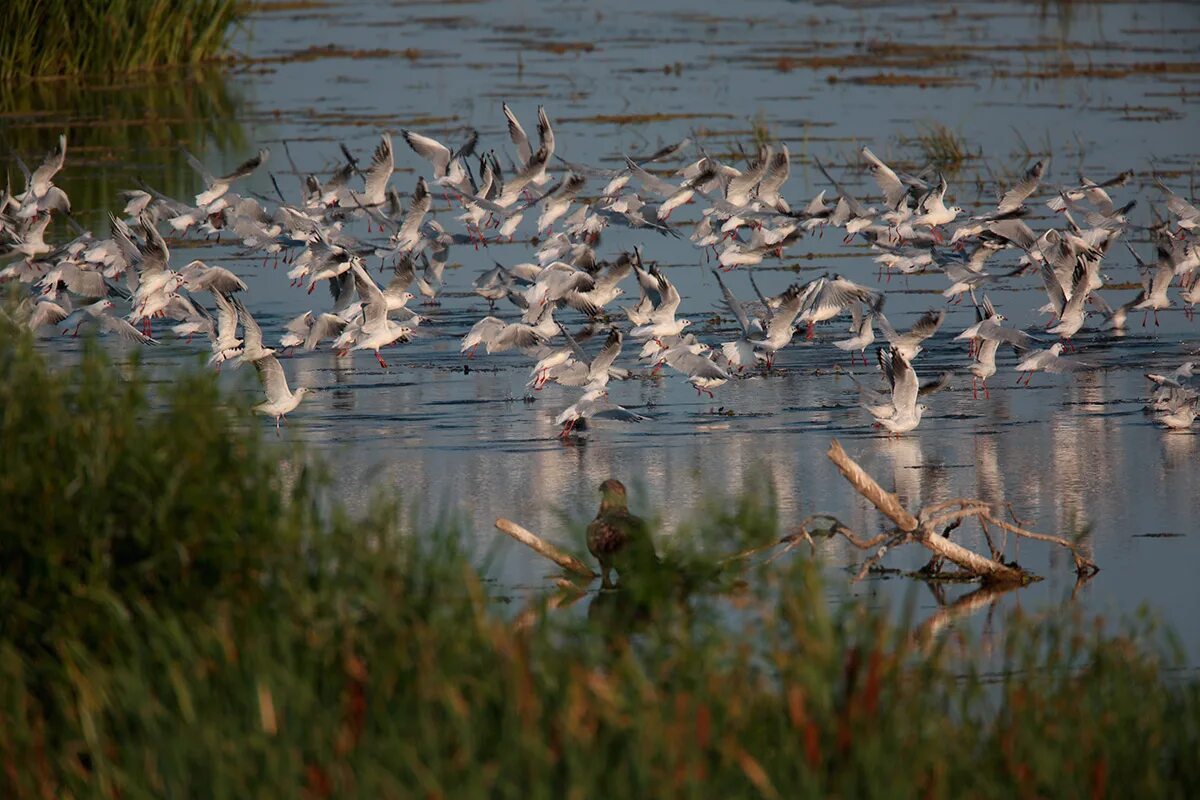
x=189 y=613
x=941 y=147
x=40 y=38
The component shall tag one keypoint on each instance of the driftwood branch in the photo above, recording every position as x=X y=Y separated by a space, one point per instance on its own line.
x=897 y=539
x=887 y=503
x=541 y=546
x=1083 y=564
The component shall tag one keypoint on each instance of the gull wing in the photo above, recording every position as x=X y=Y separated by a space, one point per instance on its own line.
x=274 y=381
x=517 y=134
x=889 y=183
x=1016 y=196
x=735 y=306
x=383 y=164
x=248 y=166
x=430 y=149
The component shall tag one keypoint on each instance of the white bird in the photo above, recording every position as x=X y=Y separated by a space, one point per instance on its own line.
x=253 y=348
x=200 y=277
x=535 y=160
x=903 y=413
x=862 y=331
x=448 y=169
x=1155 y=284
x=661 y=321
x=496 y=335
x=934 y=213
x=377 y=331
x=673 y=196
x=702 y=373
x=593 y=405
x=741 y=352
x=1188 y=215
x=224 y=339
x=558 y=200
x=570 y=366
x=280 y=400
x=826 y=298
x=220 y=184
x=780 y=325
x=909 y=344
x=1048 y=360
x=376 y=178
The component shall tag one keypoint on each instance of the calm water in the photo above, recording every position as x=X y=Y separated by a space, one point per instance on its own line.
x=1099 y=88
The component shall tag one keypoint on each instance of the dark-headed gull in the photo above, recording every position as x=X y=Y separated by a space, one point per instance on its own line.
x=220 y=184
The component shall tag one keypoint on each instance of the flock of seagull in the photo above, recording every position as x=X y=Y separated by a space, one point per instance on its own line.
x=744 y=219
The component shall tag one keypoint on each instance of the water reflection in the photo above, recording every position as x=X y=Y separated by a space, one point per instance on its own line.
x=123 y=130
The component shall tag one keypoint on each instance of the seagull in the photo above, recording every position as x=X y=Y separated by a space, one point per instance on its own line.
x=703 y=373
x=280 y=400
x=1188 y=214
x=224 y=339
x=1155 y=284
x=673 y=196
x=253 y=348
x=1014 y=199
x=496 y=335
x=826 y=298
x=1048 y=360
x=780 y=325
x=529 y=158
x=91 y=317
x=1071 y=312
x=903 y=413
x=448 y=169
x=558 y=200
x=862 y=330
x=200 y=277
x=986 y=336
x=40 y=182
x=570 y=366
x=849 y=212
x=741 y=352
x=376 y=179
x=909 y=344
x=934 y=213
x=1180 y=412
x=219 y=185
x=593 y=405
x=662 y=321
x=377 y=331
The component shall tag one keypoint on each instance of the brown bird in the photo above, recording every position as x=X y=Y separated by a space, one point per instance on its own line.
x=617 y=538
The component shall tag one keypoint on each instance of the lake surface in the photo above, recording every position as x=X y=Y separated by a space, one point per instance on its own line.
x=1097 y=88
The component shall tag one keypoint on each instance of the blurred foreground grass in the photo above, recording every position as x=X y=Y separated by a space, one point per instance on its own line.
x=190 y=613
